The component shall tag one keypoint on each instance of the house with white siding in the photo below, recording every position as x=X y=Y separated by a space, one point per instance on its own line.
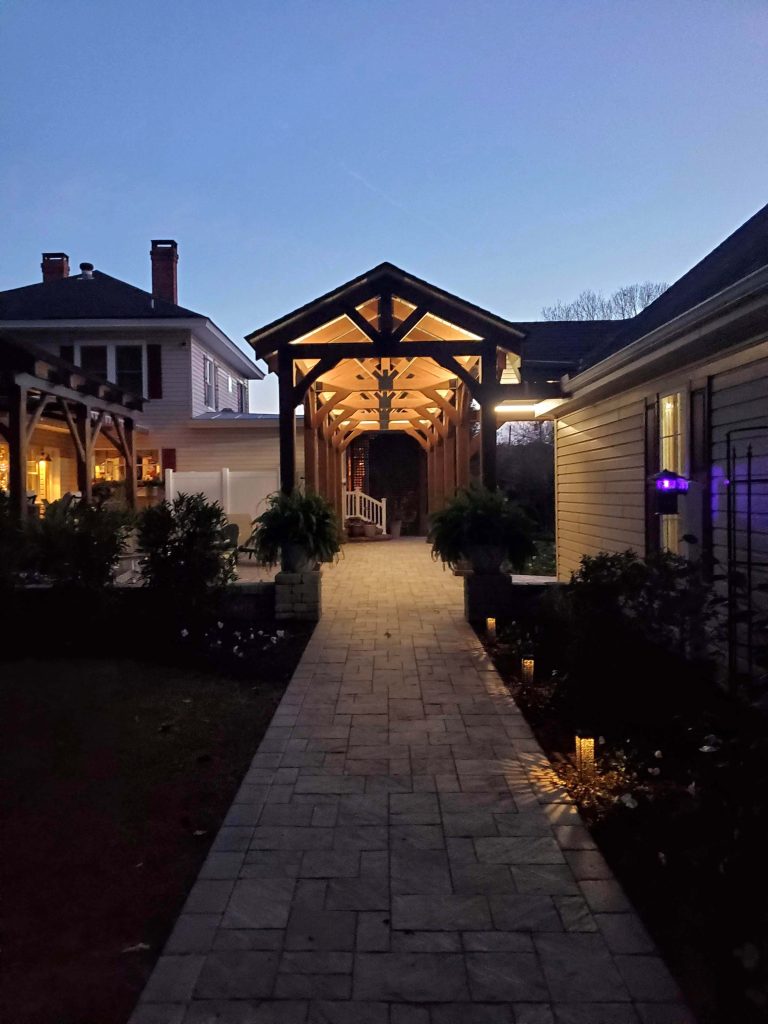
x=682 y=387
x=196 y=419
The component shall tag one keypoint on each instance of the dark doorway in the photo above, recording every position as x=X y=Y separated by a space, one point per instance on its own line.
x=397 y=472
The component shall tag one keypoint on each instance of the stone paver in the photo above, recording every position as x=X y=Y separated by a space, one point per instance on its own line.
x=400 y=851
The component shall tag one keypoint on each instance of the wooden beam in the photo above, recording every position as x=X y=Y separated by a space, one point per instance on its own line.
x=488 y=421
x=326 y=408
x=448 y=362
x=409 y=323
x=450 y=410
x=325 y=363
x=37 y=415
x=362 y=324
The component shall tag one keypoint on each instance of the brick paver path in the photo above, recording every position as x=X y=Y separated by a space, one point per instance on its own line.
x=400 y=851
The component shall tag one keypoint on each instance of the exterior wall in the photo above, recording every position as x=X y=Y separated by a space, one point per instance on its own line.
x=739 y=399
x=600 y=458
x=224 y=399
x=600 y=480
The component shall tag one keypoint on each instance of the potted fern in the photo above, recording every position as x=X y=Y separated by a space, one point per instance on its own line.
x=483 y=527
x=297 y=530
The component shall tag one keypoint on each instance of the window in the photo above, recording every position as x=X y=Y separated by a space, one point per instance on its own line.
x=129 y=368
x=148 y=466
x=209 y=382
x=124 y=365
x=108 y=465
x=93 y=359
x=671 y=457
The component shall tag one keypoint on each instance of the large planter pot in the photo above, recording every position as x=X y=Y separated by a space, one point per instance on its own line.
x=486 y=559
x=355 y=528
x=395 y=527
x=369 y=530
x=294 y=558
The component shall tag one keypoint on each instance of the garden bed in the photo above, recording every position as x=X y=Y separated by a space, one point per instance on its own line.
x=678 y=808
x=117 y=775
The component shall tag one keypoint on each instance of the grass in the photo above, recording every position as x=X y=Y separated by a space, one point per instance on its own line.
x=116 y=775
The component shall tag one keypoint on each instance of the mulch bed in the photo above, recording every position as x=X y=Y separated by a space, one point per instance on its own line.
x=115 y=777
x=691 y=844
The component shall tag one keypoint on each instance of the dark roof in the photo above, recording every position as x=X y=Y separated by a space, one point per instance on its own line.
x=366 y=284
x=741 y=254
x=564 y=342
x=78 y=298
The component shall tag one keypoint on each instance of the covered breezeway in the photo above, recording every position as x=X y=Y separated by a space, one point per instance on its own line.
x=388 y=352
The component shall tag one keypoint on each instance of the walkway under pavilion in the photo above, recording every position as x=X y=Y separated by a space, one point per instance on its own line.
x=400 y=851
x=390 y=352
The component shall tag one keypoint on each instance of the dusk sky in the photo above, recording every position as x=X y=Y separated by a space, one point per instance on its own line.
x=515 y=153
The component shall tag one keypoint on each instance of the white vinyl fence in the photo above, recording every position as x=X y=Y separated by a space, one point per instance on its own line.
x=241 y=492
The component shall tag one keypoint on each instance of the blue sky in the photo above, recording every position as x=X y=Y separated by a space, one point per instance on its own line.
x=512 y=152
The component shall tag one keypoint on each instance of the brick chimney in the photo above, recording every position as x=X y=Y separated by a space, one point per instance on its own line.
x=55 y=266
x=165 y=256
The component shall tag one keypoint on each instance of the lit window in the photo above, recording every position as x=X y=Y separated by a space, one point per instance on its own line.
x=671 y=448
x=108 y=466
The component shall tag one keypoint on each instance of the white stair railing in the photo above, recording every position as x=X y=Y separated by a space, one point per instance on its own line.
x=358 y=505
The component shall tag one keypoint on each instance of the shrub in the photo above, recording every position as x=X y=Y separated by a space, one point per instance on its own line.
x=479 y=517
x=76 y=544
x=12 y=545
x=181 y=545
x=295 y=521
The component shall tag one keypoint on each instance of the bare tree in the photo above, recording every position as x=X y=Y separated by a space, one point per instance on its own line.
x=625 y=302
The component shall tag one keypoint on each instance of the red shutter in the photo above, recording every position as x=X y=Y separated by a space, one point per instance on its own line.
x=652 y=454
x=154 y=371
x=168 y=458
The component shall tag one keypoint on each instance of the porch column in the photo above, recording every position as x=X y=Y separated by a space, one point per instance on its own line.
x=84 y=452
x=439 y=474
x=488 y=419
x=450 y=465
x=17 y=447
x=287 y=423
x=430 y=479
x=462 y=443
x=130 y=463
x=322 y=466
x=310 y=448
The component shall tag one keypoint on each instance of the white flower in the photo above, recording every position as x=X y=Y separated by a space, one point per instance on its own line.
x=220 y=625
x=654 y=771
x=707 y=749
x=691 y=789
x=658 y=753
x=662 y=859
x=185 y=632
x=273 y=639
x=280 y=633
x=629 y=801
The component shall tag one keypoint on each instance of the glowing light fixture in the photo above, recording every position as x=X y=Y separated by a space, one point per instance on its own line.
x=526 y=669
x=490 y=628
x=585 y=757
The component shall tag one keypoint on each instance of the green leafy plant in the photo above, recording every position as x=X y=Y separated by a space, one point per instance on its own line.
x=78 y=545
x=477 y=519
x=181 y=545
x=13 y=545
x=295 y=525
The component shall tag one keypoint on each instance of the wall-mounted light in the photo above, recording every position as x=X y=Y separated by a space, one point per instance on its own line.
x=667 y=486
x=526 y=669
x=585 y=757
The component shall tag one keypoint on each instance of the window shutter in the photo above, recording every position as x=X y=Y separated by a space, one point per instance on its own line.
x=67 y=352
x=168 y=458
x=154 y=371
x=652 y=527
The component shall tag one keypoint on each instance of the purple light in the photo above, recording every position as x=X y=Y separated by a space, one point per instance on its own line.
x=670 y=483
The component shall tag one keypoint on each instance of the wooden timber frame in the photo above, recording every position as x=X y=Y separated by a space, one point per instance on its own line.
x=36 y=387
x=386 y=352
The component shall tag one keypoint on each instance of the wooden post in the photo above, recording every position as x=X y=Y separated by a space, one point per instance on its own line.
x=322 y=466
x=18 y=446
x=84 y=452
x=130 y=462
x=310 y=447
x=439 y=474
x=450 y=466
x=488 y=418
x=287 y=423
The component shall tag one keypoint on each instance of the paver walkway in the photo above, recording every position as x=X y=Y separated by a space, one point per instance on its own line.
x=400 y=851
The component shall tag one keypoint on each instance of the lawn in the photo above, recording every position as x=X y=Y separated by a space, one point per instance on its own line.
x=116 y=776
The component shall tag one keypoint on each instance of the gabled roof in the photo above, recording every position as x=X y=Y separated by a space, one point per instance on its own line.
x=741 y=254
x=100 y=297
x=385 y=277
